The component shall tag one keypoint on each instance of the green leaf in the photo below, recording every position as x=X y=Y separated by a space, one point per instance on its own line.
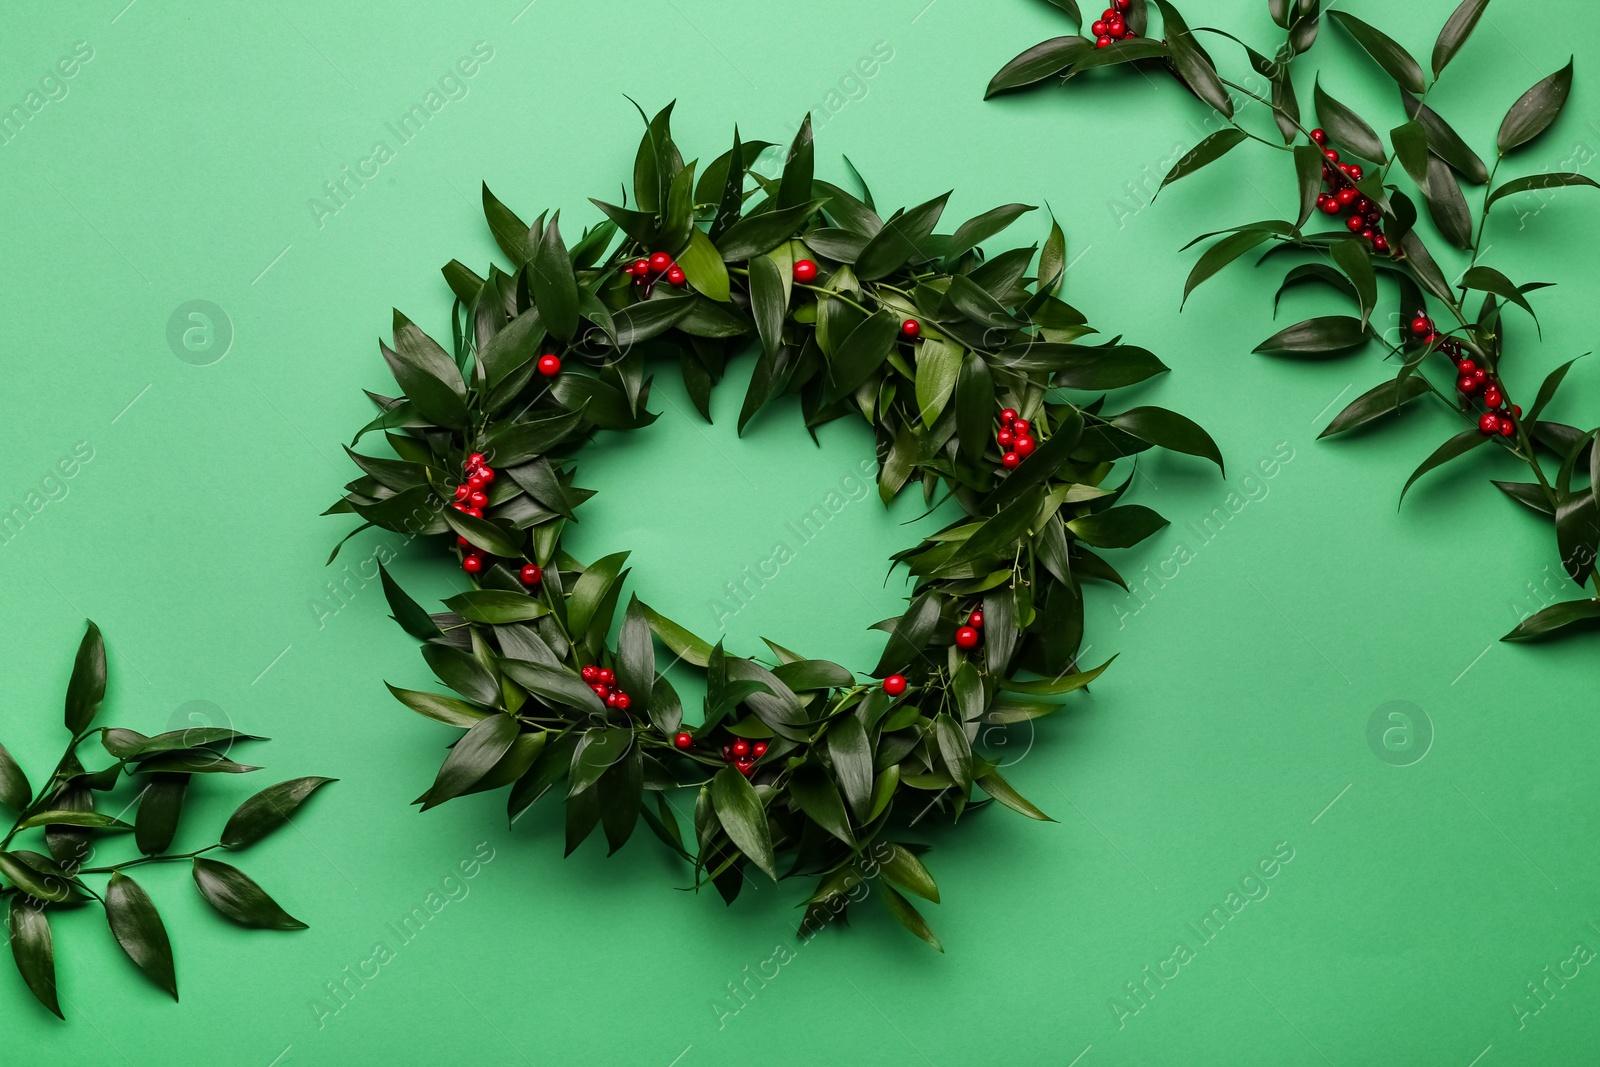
x=759 y=233
x=1411 y=148
x=819 y=798
x=496 y=606
x=953 y=749
x=739 y=811
x=160 y=805
x=430 y=378
x=597 y=752
x=1489 y=280
x=192 y=761
x=1066 y=683
x=1118 y=527
x=515 y=443
x=89 y=819
x=1456 y=30
x=1193 y=64
x=268 y=810
x=560 y=686
x=407 y=612
x=1447 y=205
x=510 y=232
x=902 y=239
x=904 y=869
x=910 y=635
x=997 y=787
x=851 y=752
x=1537 y=182
x=938 y=369
x=1384 y=50
x=1547 y=390
x=1459 y=445
x=794 y=189
x=591 y=590
x=555 y=287
x=236 y=896
x=863 y=352
x=1168 y=429
x=1316 y=337
x=1445 y=142
x=1347 y=128
x=975 y=406
x=513 y=347
x=448 y=710
x=1535 y=110
x=906 y=915
x=647 y=319
x=636 y=657
x=138 y=928
x=702 y=265
x=1095 y=369
x=484 y=533
x=88 y=685
x=1038 y=63
x=34 y=883
x=685 y=645
x=975 y=231
x=656 y=163
x=472 y=758
x=769 y=302
x=1213 y=148
x=1555 y=617
x=1529 y=494
x=1221 y=254
x=1383 y=399
x=34 y=951
x=14 y=788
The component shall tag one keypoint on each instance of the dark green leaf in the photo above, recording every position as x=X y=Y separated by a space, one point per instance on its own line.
x=1221 y=254
x=1445 y=142
x=851 y=752
x=1316 y=337
x=903 y=239
x=1381 y=400
x=236 y=896
x=407 y=612
x=910 y=634
x=1459 y=445
x=1211 y=149
x=472 y=757
x=1384 y=50
x=975 y=231
x=32 y=882
x=1168 y=429
x=1489 y=280
x=1118 y=527
x=953 y=749
x=739 y=811
x=819 y=798
x=34 y=951
x=906 y=915
x=636 y=657
x=1346 y=128
x=268 y=810
x=1455 y=33
x=1447 y=205
x=768 y=302
x=1547 y=389
x=863 y=352
x=794 y=189
x=138 y=928
x=496 y=606
x=755 y=234
x=160 y=805
x=89 y=819
x=975 y=406
x=685 y=645
x=1193 y=64
x=997 y=787
x=1535 y=110
x=430 y=378
x=14 y=788
x=88 y=685
x=1555 y=617
x=448 y=710
x=560 y=686
x=555 y=288
x=1038 y=63
x=510 y=232
x=591 y=589
x=1538 y=182
x=904 y=869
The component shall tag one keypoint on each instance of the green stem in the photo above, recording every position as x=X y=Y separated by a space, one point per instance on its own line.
x=115 y=867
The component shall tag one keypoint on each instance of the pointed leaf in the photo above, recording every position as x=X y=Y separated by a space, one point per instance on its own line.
x=1535 y=110
x=267 y=810
x=88 y=685
x=138 y=928
x=1459 y=445
x=236 y=896
x=739 y=810
x=34 y=951
x=1384 y=50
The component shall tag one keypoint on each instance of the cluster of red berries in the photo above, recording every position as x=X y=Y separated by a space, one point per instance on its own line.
x=1499 y=417
x=603 y=680
x=657 y=265
x=1015 y=439
x=1112 y=25
x=743 y=754
x=471 y=498
x=1342 y=197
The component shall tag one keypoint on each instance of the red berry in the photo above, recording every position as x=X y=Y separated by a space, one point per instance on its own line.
x=1367 y=233
x=628 y=270
x=472 y=564
x=1466 y=366
x=675 y=275
x=966 y=637
x=641 y=267
x=683 y=740
x=1431 y=337
x=607 y=676
x=745 y=766
x=478 y=499
x=1480 y=376
x=911 y=328
x=1116 y=27
x=1010 y=460
x=1020 y=426
x=1380 y=243
x=475 y=482
x=1331 y=155
x=1467 y=385
x=741 y=747
x=475 y=512
x=1023 y=446
x=487 y=474
x=1099 y=28
x=975 y=620
x=531 y=574
x=1129 y=35
x=1319 y=137
x=474 y=461
x=1120 y=5
x=1330 y=206
x=1516 y=410
x=1008 y=416
x=590 y=673
x=1421 y=325
x=1102 y=42
x=1005 y=439
x=623 y=700
x=1492 y=397
x=1345 y=197
x=659 y=261
x=463 y=542
x=1355 y=172
x=463 y=491
x=549 y=365
x=758 y=749
x=1490 y=423
x=1507 y=427
x=895 y=684
x=612 y=698
x=599 y=690
x=805 y=270
x=1355 y=223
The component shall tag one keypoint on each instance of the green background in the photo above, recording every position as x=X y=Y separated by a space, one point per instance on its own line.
x=180 y=165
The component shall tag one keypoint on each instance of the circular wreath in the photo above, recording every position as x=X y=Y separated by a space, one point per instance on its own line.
x=953 y=357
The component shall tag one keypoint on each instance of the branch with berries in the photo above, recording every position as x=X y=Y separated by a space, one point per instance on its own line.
x=1457 y=327
x=981 y=389
x=38 y=886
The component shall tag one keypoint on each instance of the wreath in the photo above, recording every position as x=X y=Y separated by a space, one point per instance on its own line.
x=62 y=811
x=1374 y=236
x=956 y=359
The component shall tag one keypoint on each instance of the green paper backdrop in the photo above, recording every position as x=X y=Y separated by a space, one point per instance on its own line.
x=1419 y=881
